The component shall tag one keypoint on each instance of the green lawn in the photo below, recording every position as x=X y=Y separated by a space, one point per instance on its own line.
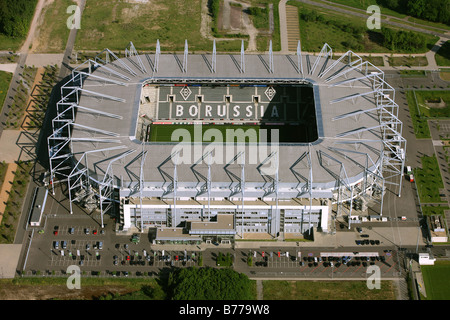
x=228 y=133
x=113 y=24
x=431 y=211
x=14 y=204
x=421 y=129
x=3 y=168
x=429 y=180
x=5 y=79
x=163 y=133
x=262 y=23
x=421 y=110
x=413 y=73
x=408 y=61
x=326 y=290
x=437 y=279
x=364 y=4
x=53 y=32
x=443 y=55
x=343 y=32
x=425 y=97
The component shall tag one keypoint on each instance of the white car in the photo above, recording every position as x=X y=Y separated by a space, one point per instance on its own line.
x=409 y=170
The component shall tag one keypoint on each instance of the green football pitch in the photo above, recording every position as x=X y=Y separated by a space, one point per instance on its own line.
x=228 y=133
x=437 y=280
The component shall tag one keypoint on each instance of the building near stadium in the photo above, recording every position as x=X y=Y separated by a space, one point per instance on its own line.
x=222 y=147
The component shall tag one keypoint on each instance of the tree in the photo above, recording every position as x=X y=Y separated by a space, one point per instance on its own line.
x=15 y=17
x=208 y=284
x=416 y=7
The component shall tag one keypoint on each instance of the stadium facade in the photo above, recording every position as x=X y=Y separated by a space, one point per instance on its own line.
x=328 y=142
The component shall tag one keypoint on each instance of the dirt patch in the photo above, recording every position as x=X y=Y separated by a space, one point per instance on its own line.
x=235 y=17
x=9 y=291
x=437 y=103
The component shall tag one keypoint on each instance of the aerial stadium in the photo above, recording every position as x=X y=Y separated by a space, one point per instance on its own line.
x=225 y=147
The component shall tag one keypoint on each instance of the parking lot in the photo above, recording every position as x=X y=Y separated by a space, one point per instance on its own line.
x=323 y=264
x=78 y=240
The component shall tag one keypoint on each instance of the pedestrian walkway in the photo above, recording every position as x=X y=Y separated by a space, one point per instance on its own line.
x=293 y=28
x=259 y=290
x=6 y=187
x=283 y=26
x=8 y=67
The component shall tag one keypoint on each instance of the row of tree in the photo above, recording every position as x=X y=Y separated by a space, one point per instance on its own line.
x=208 y=284
x=432 y=10
x=16 y=16
x=403 y=40
x=395 y=40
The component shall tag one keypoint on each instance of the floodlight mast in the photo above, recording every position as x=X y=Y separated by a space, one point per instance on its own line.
x=299 y=58
x=185 y=57
x=213 y=64
x=157 y=54
x=271 y=69
x=242 y=57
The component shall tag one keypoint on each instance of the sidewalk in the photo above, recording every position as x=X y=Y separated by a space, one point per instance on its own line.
x=6 y=188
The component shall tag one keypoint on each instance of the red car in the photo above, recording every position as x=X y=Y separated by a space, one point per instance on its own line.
x=176 y=258
x=94 y=232
x=128 y=258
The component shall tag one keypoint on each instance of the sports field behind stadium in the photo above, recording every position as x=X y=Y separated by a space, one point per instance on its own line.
x=437 y=280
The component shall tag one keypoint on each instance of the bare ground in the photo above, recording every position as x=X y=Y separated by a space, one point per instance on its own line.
x=10 y=291
x=246 y=25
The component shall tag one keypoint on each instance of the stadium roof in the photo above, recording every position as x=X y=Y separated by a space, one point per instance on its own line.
x=350 y=137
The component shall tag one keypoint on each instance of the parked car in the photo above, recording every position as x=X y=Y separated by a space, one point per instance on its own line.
x=364 y=236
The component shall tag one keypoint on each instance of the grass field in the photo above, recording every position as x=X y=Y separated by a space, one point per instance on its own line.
x=5 y=79
x=431 y=211
x=437 y=279
x=338 y=30
x=443 y=55
x=413 y=73
x=445 y=75
x=421 y=129
x=364 y=4
x=53 y=32
x=113 y=24
x=420 y=110
x=163 y=133
x=227 y=133
x=326 y=290
x=429 y=180
x=408 y=61
x=14 y=204
x=433 y=96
